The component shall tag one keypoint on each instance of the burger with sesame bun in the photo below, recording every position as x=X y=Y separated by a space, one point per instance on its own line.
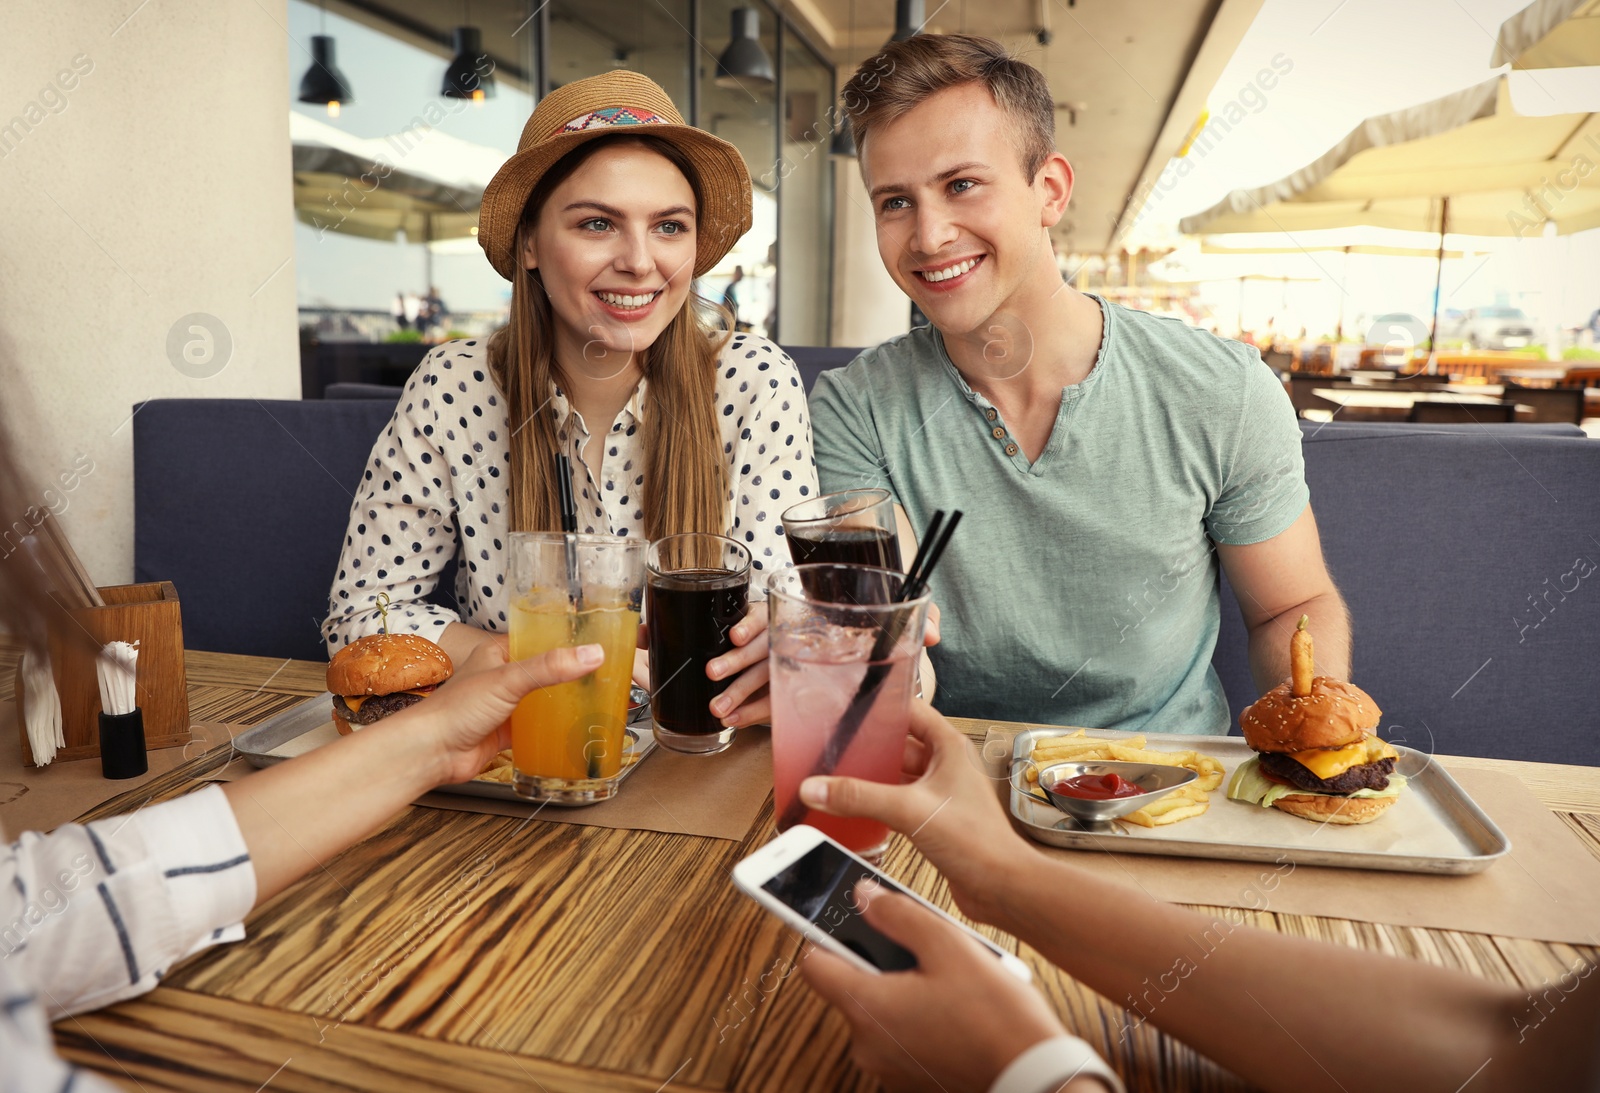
x=1318 y=755
x=382 y=674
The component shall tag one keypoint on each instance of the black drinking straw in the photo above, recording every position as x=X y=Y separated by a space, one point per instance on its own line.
x=569 y=527
x=934 y=540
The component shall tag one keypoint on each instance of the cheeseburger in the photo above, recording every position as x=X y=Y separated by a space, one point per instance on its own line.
x=1318 y=755
x=381 y=674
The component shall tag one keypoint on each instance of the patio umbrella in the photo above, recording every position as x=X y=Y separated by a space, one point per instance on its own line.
x=1381 y=250
x=1465 y=163
x=423 y=182
x=1550 y=34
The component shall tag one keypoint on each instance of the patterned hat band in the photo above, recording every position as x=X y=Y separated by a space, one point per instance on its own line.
x=603 y=107
x=611 y=115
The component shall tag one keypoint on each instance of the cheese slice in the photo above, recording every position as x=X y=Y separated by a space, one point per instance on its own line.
x=1249 y=785
x=1328 y=763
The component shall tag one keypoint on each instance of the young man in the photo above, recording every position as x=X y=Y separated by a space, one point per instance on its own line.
x=1106 y=460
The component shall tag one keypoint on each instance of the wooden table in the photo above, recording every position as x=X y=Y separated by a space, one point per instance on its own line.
x=460 y=951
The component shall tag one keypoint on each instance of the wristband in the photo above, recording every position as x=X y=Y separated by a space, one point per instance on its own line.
x=1050 y=1064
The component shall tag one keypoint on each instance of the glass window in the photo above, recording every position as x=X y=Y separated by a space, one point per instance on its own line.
x=744 y=113
x=588 y=37
x=398 y=165
x=805 y=201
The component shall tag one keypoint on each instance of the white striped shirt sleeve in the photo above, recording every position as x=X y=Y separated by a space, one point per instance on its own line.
x=95 y=913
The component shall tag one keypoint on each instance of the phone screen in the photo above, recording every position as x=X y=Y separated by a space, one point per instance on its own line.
x=818 y=885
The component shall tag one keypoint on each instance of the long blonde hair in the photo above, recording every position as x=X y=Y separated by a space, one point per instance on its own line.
x=685 y=471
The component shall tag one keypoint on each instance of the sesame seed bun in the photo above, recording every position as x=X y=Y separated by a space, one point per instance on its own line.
x=1334 y=714
x=383 y=664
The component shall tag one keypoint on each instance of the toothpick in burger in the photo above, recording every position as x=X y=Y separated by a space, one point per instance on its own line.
x=382 y=674
x=1318 y=755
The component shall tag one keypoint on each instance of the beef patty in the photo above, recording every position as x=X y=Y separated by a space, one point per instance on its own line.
x=375 y=708
x=1365 y=776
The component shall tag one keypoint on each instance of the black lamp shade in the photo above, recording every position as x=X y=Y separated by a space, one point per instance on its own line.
x=323 y=82
x=908 y=19
x=470 y=74
x=744 y=60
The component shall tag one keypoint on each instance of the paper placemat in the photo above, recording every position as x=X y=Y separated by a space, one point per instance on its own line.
x=717 y=796
x=43 y=798
x=1545 y=889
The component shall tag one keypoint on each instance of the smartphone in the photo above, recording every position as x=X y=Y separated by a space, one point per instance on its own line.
x=807 y=880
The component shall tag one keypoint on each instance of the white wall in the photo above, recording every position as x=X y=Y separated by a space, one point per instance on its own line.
x=144 y=177
x=868 y=306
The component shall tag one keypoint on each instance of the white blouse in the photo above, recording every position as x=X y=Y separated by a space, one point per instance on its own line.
x=438 y=485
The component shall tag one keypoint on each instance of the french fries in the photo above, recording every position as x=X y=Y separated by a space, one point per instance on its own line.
x=1302 y=665
x=498 y=770
x=1181 y=804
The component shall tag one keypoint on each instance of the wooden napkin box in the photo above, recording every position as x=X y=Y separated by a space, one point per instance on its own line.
x=146 y=613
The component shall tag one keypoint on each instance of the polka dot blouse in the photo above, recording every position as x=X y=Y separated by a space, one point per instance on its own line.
x=438 y=482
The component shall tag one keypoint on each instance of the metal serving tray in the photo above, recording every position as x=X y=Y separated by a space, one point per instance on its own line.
x=309 y=725
x=1433 y=828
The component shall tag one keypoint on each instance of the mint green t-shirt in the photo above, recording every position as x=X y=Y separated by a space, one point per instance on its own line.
x=1081 y=589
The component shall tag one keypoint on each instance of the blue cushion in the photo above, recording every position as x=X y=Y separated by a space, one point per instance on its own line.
x=1397 y=428
x=813 y=360
x=362 y=391
x=1461 y=557
x=242 y=505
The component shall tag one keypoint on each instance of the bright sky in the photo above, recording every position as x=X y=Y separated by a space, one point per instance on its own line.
x=1351 y=60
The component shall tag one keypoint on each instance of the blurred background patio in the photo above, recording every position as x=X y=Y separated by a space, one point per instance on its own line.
x=264 y=199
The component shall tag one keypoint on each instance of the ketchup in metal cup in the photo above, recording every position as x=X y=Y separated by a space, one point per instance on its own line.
x=1096 y=787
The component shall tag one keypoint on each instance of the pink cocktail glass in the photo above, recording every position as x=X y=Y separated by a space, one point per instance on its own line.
x=843 y=655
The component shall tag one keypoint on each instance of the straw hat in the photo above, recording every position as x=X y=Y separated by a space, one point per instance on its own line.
x=611 y=104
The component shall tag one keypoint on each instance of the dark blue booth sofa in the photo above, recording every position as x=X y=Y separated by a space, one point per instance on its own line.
x=1470 y=557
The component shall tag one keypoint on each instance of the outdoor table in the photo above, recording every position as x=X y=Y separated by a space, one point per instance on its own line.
x=1377 y=404
x=1544 y=375
x=455 y=950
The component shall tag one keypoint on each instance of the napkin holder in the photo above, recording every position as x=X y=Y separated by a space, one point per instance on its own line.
x=145 y=613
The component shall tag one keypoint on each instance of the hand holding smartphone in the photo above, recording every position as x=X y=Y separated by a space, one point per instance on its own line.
x=807 y=880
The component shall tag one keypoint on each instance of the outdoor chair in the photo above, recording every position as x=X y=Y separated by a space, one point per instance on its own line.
x=1563 y=404
x=1419 y=383
x=1301 y=386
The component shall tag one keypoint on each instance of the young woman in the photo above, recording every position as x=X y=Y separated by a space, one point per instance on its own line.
x=92 y=914
x=601 y=221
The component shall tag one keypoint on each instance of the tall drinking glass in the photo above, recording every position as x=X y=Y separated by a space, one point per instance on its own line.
x=567 y=740
x=696 y=589
x=842 y=654
x=853 y=527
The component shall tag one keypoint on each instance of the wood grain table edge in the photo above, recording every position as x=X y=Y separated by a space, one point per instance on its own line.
x=227 y=1044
